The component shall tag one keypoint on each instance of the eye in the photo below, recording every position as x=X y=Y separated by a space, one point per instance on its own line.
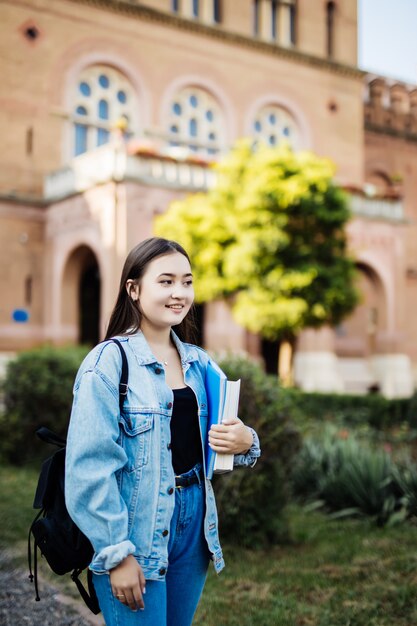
x=188 y=283
x=166 y=281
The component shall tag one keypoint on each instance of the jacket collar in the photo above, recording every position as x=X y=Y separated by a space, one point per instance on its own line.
x=145 y=356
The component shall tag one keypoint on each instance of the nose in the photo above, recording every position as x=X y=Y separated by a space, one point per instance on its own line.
x=178 y=291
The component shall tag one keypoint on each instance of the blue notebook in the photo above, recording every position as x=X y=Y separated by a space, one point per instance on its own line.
x=222 y=397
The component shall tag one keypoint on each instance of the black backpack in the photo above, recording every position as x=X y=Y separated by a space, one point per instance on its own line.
x=60 y=541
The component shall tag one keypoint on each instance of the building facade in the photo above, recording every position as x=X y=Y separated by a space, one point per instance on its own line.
x=109 y=110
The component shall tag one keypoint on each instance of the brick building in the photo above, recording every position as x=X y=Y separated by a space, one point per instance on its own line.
x=110 y=109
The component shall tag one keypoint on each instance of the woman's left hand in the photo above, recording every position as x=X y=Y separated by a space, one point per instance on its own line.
x=230 y=437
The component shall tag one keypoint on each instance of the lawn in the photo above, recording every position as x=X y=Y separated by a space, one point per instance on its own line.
x=334 y=573
x=17 y=488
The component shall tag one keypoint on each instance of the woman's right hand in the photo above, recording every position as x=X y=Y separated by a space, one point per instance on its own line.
x=128 y=583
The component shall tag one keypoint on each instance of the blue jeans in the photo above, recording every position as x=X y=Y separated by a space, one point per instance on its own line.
x=174 y=601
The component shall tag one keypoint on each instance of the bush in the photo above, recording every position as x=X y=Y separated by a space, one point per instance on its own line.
x=405 y=476
x=354 y=410
x=37 y=392
x=350 y=478
x=251 y=501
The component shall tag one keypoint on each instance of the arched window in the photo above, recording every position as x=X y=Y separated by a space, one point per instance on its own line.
x=330 y=15
x=274 y=124
x=196 y=121
x=103 y=97
x=378 y=182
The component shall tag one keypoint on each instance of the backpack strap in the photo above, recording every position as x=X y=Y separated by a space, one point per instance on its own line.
x=124 y=377
x=33 y=576
x=48 y=436
x=90 y=596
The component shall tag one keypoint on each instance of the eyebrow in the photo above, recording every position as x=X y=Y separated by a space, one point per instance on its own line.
x=173 y=275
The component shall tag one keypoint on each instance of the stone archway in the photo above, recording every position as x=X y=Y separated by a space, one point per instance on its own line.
x=380 y=181
x=269 y=353
x=357 y=338
x=358 y=334
x=81 y=287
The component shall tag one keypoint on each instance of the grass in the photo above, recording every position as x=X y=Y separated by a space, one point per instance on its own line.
x=334 y=573
x=17 y=488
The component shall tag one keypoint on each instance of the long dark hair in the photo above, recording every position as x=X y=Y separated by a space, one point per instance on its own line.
x=126 y=316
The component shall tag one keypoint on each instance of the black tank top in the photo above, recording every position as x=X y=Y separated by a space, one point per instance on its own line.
x=185 y=431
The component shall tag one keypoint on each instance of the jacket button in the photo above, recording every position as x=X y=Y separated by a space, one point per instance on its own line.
x=158 y=370
x=169 y=446
x=164 y=533
x=171 y=490
x=169 y=405
x=162 y=571
x=203 y=406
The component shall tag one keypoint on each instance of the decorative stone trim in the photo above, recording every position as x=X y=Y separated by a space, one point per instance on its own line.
x=217 y=32
x=392 y=132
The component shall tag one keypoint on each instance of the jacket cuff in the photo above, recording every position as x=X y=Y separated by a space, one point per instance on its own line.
x=111 y=556
x=252 y=455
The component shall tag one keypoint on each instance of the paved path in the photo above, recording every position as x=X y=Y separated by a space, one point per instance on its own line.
x=19 y=608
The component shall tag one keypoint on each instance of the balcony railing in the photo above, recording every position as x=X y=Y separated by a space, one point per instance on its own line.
x=180 y=171
x=391 y=209
x=110 y=163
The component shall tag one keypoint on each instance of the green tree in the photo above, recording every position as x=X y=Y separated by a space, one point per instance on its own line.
x=270 y=236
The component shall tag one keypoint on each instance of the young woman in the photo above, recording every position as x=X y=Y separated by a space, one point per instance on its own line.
x=135 y=480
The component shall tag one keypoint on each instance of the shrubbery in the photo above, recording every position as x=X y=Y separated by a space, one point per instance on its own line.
x=343 y=475
x=332 y=468
x=37 y=391
x=354 y=410
x=251 y=501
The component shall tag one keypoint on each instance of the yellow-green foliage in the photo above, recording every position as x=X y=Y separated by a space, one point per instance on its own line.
x=271 y=233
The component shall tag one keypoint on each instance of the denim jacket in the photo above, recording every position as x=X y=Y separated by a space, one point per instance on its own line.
x=120 y=483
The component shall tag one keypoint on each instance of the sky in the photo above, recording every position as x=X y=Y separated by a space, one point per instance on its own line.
x=388 y=38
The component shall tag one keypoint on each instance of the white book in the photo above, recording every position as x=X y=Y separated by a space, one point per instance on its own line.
x=224 y=462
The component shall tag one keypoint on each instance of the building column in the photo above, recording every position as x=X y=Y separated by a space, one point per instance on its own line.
x=391 y=367
x=52 y=293
x=394 y=375
x=284 y=24
x=186 y=8
x=264 y=20
x=206 y=11
x=315 y=362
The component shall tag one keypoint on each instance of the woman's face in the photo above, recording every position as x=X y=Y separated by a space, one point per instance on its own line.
x=165 y=293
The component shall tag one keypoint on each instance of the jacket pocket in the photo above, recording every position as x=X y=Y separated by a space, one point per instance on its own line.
x=136 y=435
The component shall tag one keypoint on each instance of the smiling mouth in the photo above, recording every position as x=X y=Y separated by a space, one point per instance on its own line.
x=175 y=307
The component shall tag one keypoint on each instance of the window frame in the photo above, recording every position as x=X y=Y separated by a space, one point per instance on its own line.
x=195 y=122
x=103 y=106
